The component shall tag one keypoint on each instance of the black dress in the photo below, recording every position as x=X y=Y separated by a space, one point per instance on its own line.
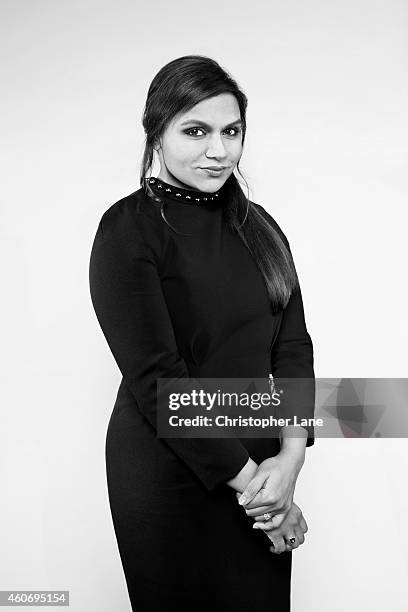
x=178 y=306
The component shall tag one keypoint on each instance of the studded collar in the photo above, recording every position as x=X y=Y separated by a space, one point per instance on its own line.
x=187 y=196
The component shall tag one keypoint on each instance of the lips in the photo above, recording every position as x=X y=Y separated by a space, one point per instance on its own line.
x=214 y=167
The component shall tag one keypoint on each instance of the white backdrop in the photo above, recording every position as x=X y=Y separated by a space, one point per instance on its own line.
x=326 y=155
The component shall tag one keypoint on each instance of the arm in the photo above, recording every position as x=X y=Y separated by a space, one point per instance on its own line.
x=292 y=357
x=129 y=303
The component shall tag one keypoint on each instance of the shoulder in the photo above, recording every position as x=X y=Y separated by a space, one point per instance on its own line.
x=132 y=212
x=135 y=218
x=272 y=221
x=133 y=222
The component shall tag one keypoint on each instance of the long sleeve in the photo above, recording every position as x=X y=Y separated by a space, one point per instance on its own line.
x=129 y=303
x=292 y=357
x=292 y=353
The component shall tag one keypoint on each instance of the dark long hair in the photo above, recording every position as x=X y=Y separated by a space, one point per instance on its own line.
x=176 y=88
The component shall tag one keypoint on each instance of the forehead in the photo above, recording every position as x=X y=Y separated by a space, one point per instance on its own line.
x=219 y=109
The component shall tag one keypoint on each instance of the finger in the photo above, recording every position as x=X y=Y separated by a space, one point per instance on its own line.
x=257 y=504
x=252 y=488
x=302 y=524
x=273 y=523
x=261 y=516
x=266 y=498
x=264 y=526
x=278 y=519
x=279 y=545
x=300 y=536
x=272 y=539
x=261 y=500
x=259 y=511
x=292 y=545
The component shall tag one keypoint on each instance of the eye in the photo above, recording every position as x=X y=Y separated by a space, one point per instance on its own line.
x=189 y=131
x=237 y=131
x=192 y=130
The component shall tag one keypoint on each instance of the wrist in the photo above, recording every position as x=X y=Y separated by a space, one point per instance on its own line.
x=293 y=449
x=240 y=481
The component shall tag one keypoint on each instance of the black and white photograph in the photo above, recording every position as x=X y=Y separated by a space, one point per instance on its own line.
x=205 y=385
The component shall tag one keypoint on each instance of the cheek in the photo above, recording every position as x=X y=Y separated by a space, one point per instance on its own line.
x=181 y=153
x=236 y=151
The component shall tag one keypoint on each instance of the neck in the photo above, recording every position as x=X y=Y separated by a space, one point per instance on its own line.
x=166 y=176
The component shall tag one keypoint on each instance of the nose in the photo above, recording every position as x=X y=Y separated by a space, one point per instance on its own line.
x=216 y=147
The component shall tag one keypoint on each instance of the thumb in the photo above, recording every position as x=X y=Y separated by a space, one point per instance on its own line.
x=252 y=488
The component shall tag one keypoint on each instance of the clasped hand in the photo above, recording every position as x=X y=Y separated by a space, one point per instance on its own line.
x=270 y=490
x=293 y=526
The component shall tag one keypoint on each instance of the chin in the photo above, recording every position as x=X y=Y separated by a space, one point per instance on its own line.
x=202 y=182
x=212 y=184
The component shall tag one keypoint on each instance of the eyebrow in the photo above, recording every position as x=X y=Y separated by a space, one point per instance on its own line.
x=205 y=125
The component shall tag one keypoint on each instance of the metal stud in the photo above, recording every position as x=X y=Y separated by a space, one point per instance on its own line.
x=185 y=196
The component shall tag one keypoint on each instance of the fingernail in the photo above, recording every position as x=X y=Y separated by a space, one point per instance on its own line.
x=242 y=500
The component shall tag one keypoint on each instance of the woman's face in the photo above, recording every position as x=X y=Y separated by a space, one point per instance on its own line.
x=210 y=134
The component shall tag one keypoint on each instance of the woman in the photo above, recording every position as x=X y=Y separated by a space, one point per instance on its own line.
x=189 y=278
